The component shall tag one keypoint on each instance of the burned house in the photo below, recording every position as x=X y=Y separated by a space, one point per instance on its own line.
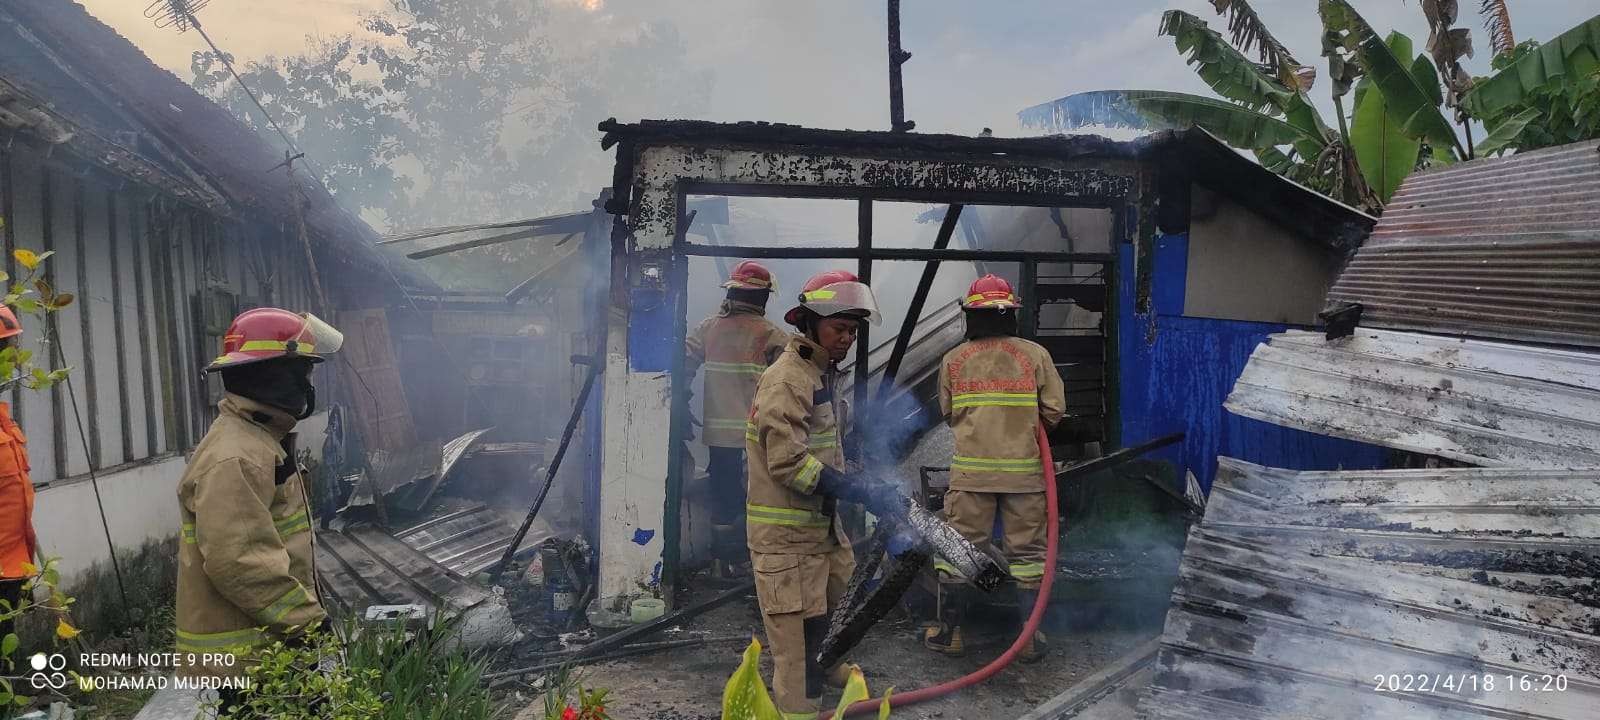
x=1145 y=263
x=166 y=217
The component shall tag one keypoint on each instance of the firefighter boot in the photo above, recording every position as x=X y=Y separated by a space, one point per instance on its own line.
x=1036 y=647
x=815 y=630
x=728 y=549
x=945 y=638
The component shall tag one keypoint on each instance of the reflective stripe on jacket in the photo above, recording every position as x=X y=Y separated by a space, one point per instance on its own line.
x=17 y=543
x=244 y=559
x=792 y=433
x=994 y=391
x=734 y=347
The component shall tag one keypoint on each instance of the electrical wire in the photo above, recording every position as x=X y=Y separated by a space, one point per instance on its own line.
x=89 y=459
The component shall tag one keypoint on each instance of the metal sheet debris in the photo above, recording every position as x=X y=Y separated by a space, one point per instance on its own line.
x=363 y=569
x=412 y=476
x=468 y=540
x=1505 y=248
x=1440 y=603
x=1478 y=402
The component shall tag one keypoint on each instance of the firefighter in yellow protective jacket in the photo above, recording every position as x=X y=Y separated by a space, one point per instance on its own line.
x=245 y=573
x=995 y=389
x=800 y=554
x=734 y=346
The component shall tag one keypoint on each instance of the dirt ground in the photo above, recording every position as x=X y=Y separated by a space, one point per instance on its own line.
x=686 y=684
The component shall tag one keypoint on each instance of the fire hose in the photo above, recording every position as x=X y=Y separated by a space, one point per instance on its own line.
x=1028 y=629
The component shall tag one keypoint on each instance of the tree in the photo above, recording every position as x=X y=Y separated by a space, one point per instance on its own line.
x=1543 y=94
x=486 y=114
x=1266 y=109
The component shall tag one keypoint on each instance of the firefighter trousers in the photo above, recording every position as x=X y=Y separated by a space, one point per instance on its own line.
x=792 y=589
x=1023 y=519
x=726 y=467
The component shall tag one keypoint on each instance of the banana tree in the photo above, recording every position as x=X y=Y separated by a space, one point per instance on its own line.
x=1542 y=94
x=1266 y=109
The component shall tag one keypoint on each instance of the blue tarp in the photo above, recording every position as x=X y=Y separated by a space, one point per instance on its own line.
x=1175 y=372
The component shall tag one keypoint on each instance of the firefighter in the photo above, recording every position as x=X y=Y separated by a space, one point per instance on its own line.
x=18 y=544
x=994 y=390
x=734 y=346
x=798 y=550
x=245 y=574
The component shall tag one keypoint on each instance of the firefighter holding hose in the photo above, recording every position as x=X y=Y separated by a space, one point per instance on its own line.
x=245 y=562
x=994 y=390
x=801 y=557
x=734 y=347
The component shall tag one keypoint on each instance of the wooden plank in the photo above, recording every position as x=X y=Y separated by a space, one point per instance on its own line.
x=142 y=307
x=9 y=235
x=86 y=325
x=417 y=568
x=382 y=584
x=58 y=398
x=372 y=373
x=119 y=335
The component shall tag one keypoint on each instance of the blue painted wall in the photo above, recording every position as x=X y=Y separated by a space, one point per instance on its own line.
x=1175 y=372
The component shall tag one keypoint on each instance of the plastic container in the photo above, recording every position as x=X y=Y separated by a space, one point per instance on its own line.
x=643 y=610
x=560 y=593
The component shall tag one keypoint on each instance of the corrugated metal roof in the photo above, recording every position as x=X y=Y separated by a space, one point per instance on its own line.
x=1483 y=403
x=1504 y=248
x=1301 y=589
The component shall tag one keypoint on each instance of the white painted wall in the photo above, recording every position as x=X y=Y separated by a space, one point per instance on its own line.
x=141 y=505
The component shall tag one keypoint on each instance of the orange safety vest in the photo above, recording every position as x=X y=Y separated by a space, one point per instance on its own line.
x=17 y=542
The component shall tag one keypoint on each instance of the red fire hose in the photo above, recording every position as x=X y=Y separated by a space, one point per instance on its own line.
x=1028 y=628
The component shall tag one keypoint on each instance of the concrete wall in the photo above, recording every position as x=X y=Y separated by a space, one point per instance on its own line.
x=1245 y=267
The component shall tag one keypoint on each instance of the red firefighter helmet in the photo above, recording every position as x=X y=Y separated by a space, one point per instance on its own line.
x=990 y=292
x=834 y=292
x=9 y=327
x=267 y=333
x=750 y=275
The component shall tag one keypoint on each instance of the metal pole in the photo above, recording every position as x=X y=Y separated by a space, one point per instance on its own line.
x=864 y=340
x=897 y=57
x=952 y=216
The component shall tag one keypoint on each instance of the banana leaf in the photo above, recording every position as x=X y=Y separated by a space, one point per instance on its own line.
x=1249 y=31
x=1572 y=53
x=1235 y=125
x=1236 y=77
x=1225 y=69
x=1506 y=132
x=1406 y=101
x=1384 y=152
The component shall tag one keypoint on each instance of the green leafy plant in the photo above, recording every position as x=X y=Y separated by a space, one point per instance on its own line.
x=423 y=674
x=31 y=295
x=292 y=681
x=57 y=605
x=1542 y=94
x=565 y=698
x=745 y=696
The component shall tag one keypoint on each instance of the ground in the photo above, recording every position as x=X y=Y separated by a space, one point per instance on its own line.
x=686 y=684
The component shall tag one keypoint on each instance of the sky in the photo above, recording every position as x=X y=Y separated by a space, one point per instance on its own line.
x=823 y=63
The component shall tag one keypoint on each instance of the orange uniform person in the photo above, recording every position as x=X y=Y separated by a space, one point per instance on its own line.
x=734 y=347
x=18 y=545
x=995 y=389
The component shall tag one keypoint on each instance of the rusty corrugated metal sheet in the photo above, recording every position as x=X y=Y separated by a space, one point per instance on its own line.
x=1502 y=248
x=1478 y=402
x=1304 y=592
